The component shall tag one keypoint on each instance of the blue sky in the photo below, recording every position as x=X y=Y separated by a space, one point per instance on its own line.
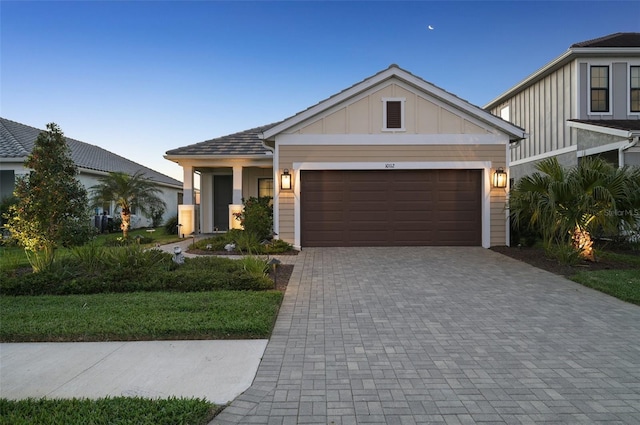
x=140 y=78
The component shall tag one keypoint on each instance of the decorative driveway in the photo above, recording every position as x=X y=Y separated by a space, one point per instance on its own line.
x=434 y=335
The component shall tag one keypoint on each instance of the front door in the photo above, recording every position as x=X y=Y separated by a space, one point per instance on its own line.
x=222 y=197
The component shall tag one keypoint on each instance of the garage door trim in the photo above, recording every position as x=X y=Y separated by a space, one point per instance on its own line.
x=485 y=166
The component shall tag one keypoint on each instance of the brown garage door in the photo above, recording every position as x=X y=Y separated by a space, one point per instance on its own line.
x=390 y=208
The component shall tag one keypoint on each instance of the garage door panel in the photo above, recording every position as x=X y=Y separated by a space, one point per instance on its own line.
x=391 y=207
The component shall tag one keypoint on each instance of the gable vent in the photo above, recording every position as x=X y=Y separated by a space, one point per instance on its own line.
x=394 y=114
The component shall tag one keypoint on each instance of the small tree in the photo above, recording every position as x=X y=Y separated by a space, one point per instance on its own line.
x=51 y=203
x=128 y=192
x=567 y=206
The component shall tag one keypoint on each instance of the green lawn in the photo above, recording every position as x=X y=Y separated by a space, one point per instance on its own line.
x=107 y=411
x=139 y=316
x=622 y=284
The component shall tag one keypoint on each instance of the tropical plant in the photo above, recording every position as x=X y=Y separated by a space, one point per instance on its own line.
x=566 y=206
x=128 y=192
x=52 y=207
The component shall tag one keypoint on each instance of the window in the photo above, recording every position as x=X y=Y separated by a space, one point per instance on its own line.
x=265 y=188
x=393 y=114
x=504 y=113
x=599 y=89
x=634 y=101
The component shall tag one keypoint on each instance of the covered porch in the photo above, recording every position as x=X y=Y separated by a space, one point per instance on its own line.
x=226 y=169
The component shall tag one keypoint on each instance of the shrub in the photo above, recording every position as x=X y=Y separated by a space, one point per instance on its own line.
x=156 y=213
x=276 y=246
x=257 y=217
x=92 y=269
x=171 y=225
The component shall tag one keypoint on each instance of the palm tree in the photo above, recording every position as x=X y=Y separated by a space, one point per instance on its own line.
x=567 y=206
x=128 y=192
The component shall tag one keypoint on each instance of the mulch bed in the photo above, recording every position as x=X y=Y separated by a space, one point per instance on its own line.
x=537 y=258
x=281 y=276
x=282 y=272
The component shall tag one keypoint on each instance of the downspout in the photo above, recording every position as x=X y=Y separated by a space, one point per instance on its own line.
x=633 y=140
x=276 y=186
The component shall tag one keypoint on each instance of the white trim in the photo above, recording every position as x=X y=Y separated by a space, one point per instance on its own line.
x=276 y=192
x=389 y=139
x=603 y=148
x=600 y=129
x=402 y=101
x=544 y=155
x=457 y=165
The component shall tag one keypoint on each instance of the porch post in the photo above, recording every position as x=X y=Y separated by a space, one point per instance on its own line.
x=187 y=186
x=187 y=211
x=237 y=184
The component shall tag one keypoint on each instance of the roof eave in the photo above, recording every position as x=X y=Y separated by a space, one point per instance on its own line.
x=175 y=157
x=619 y=132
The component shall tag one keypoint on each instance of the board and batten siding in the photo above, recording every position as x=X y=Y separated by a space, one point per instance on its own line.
x=363 y=115
x=395 y=152
x=542 y=109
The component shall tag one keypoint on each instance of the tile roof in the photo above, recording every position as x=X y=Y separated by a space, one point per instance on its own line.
x=247 y=142
x=627 y=125
x=17 y=140
x=619 y=39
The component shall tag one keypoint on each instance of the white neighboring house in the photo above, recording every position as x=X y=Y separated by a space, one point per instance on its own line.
x=93 y=162
x=585 y=102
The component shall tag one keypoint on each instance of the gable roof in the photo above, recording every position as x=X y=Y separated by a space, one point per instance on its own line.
x=617 y=44
x=394 y=71
x=17 y=141
x=247 y=143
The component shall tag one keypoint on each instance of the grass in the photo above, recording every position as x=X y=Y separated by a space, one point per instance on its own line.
x=622 y=284
x=117 y=410
x=139 y=316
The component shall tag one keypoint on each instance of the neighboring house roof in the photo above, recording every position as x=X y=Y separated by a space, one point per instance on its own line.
x=619 y=39
x=619 y=44
x=17 y=141
x=394 y=71
x=242 y=144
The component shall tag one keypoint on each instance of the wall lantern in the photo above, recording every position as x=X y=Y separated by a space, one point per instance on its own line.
x=285 y=180
x=500 y=178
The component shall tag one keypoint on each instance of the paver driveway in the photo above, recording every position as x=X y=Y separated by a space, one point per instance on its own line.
x=442 y=335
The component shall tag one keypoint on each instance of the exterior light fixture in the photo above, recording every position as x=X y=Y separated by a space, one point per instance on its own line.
x=500 y=178
x=285 y=180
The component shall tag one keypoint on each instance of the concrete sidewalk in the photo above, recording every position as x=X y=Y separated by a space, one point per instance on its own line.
x=215 y=370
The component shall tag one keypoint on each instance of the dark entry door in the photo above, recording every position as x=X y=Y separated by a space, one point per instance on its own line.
x=222 y=197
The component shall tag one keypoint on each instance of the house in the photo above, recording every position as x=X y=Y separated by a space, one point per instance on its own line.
x=93 y=162
x=585 y=102
x=392 y=160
